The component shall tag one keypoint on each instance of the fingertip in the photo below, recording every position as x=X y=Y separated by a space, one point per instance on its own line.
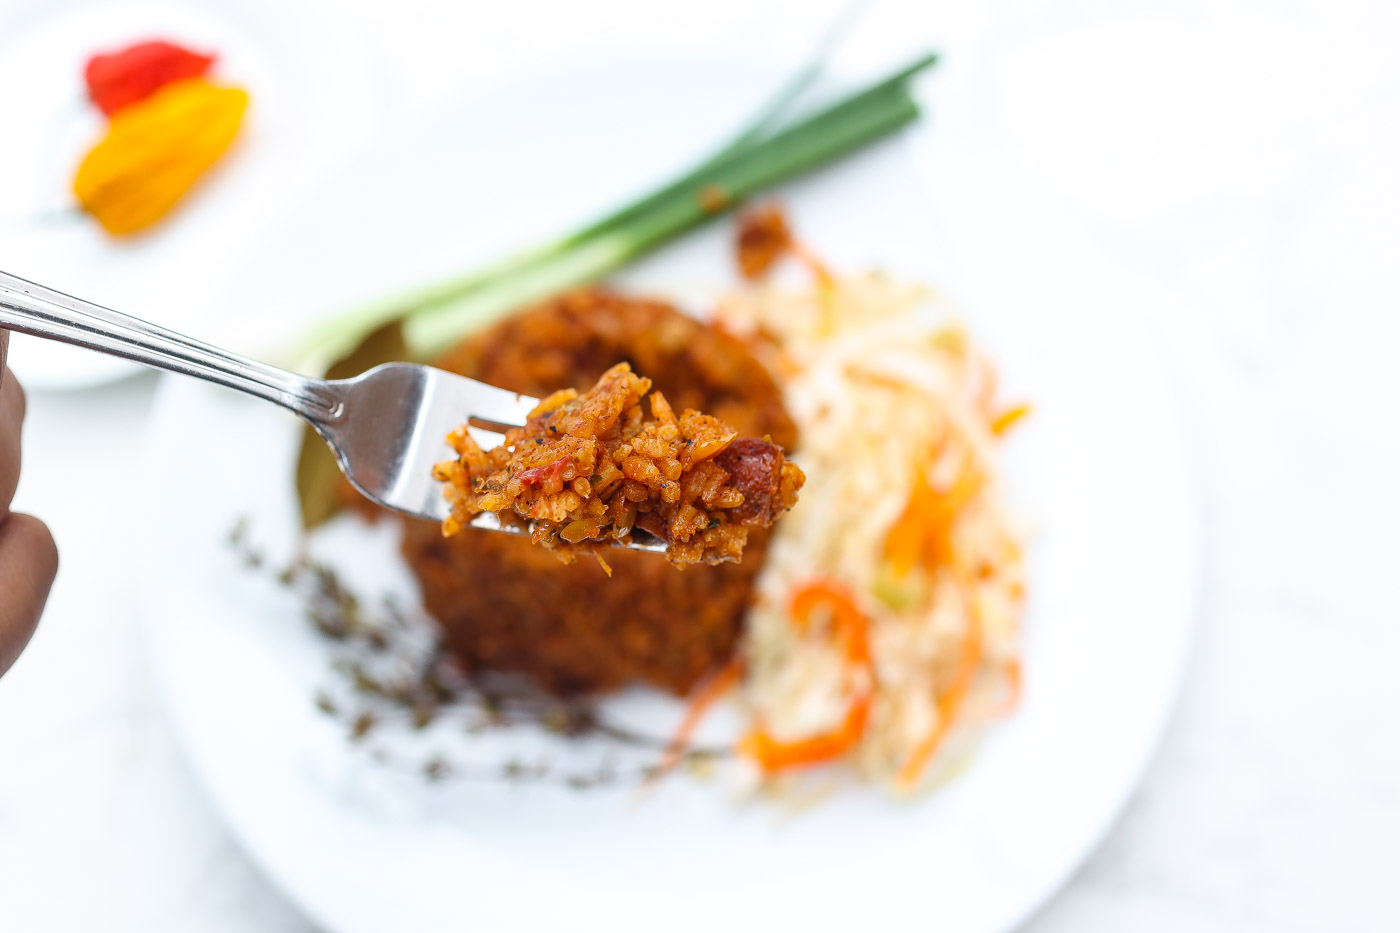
x=29 y=564
x=38 y=540
x=11 y=386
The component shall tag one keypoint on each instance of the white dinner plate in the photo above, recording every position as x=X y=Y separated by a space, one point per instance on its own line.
x=1101 y=469
x=312 y=91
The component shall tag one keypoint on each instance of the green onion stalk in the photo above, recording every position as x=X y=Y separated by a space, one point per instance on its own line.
x=758 y=158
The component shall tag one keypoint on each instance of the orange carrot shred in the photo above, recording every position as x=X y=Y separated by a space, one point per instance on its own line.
x=939 y=546
x=702 y=698
x=773 y=755
x=904 y=545
x=950 y=701
x=923 y=533
x=846 y=618
x=852 y=626
x=1013 y=688
x=1003 y=422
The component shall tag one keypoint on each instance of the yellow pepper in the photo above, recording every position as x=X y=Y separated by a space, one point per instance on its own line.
x=155 y=150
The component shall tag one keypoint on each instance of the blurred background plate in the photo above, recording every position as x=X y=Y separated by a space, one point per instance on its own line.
x=313 y=94
x=1102 y=469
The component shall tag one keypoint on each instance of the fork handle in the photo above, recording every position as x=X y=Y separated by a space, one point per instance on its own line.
x=30 y=308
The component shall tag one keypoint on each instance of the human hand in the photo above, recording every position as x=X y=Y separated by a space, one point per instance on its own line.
x=28 y=557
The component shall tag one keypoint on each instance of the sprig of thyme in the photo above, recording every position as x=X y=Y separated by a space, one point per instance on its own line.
x=394 y=673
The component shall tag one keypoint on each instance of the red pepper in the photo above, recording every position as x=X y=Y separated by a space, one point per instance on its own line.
x=135 y=73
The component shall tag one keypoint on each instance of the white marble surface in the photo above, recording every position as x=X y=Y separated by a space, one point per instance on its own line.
x=1242 y=155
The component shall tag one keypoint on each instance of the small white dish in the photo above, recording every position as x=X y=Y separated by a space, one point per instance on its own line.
x=313 y=92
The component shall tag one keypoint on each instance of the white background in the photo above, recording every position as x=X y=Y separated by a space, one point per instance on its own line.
x=1242 y=157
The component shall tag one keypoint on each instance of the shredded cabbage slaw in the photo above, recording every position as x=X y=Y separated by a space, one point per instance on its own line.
x=886 y=630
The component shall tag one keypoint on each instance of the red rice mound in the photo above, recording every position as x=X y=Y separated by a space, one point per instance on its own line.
x=508 y=605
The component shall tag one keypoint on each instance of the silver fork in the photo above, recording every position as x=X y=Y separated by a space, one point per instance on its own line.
x=387 y=426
